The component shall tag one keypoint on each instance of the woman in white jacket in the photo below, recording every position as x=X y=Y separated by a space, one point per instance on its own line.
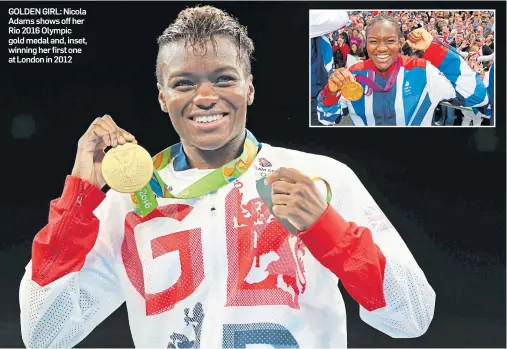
x=217 y=269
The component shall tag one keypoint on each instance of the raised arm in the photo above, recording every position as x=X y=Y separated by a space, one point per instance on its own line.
x=355 y=241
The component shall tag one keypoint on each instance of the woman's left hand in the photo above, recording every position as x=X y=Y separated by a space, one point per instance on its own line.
x=296 y=198
x=419 y=39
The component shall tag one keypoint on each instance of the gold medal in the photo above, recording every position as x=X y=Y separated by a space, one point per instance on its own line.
x=352 y=91
x=127 y=168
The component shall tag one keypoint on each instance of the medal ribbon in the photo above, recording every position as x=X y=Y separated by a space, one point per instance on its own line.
x=329 y=194
x=145 y=199
x=370 y=80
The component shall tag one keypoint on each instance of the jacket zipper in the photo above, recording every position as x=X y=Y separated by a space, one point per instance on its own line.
x=71 y=213
x=216 y=275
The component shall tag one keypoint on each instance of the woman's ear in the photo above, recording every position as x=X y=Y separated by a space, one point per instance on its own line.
x=251 y=90
x=161 y=98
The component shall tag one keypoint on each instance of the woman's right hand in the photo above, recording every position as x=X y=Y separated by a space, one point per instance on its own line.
x=339 y=77
x=102 y=133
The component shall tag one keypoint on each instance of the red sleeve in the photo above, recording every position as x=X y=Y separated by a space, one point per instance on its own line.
x=62 y=245
x=329 y=98
x=436 y=53
x=350 y=253
x=335 y=48
x=345 y=49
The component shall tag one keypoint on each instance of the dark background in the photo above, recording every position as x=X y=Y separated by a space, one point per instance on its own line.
x=444 y=189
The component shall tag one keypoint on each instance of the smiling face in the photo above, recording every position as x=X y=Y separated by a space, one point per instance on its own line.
x=383 y=44
x=205 y=93
x=459 y=38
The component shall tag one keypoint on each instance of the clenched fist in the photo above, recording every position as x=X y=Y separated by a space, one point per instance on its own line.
x=102 y=133
x=339 y=77
x=296 y=198
x=419 y=39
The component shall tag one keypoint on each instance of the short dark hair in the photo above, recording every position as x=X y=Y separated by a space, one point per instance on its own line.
x=383 y=18
x=201 y=24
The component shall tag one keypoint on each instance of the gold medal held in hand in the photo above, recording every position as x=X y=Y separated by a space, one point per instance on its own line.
x=127 y=168
x=332 y=87
x=352 y=91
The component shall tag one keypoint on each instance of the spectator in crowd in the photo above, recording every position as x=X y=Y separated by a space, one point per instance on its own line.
x=362 y=33
x=432 y=23
x=485 y=49
x=458 y=29
x=356 y=51
x=458 y=40
x=472 y=40
x=356 y=39
x=491 y=26
x=404 y=29
x=469 y=30
x=445 y=37
x=341 y=49
x=410 y=25
x=479 y=32
x=476 y=20
x=347 y=34
x=405 y=47
x=450 y=23
x=490 y=42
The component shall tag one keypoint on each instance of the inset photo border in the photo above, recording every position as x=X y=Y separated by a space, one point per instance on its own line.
x=402 y=68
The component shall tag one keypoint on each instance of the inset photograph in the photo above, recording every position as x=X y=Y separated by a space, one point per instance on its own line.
x=402 y=68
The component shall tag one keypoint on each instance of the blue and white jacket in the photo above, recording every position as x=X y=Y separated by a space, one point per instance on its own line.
x=421 y=84
x=489 y=82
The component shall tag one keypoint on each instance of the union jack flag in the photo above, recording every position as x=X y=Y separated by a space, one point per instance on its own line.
x=377 y=221
x=264 y=163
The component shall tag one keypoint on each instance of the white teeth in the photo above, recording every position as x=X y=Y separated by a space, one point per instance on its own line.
x=209 y=118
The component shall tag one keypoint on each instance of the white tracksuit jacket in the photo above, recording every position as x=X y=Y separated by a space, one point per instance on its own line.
x=220 y=271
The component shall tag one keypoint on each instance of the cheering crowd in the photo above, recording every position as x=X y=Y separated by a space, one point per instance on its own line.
x=471 y=33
